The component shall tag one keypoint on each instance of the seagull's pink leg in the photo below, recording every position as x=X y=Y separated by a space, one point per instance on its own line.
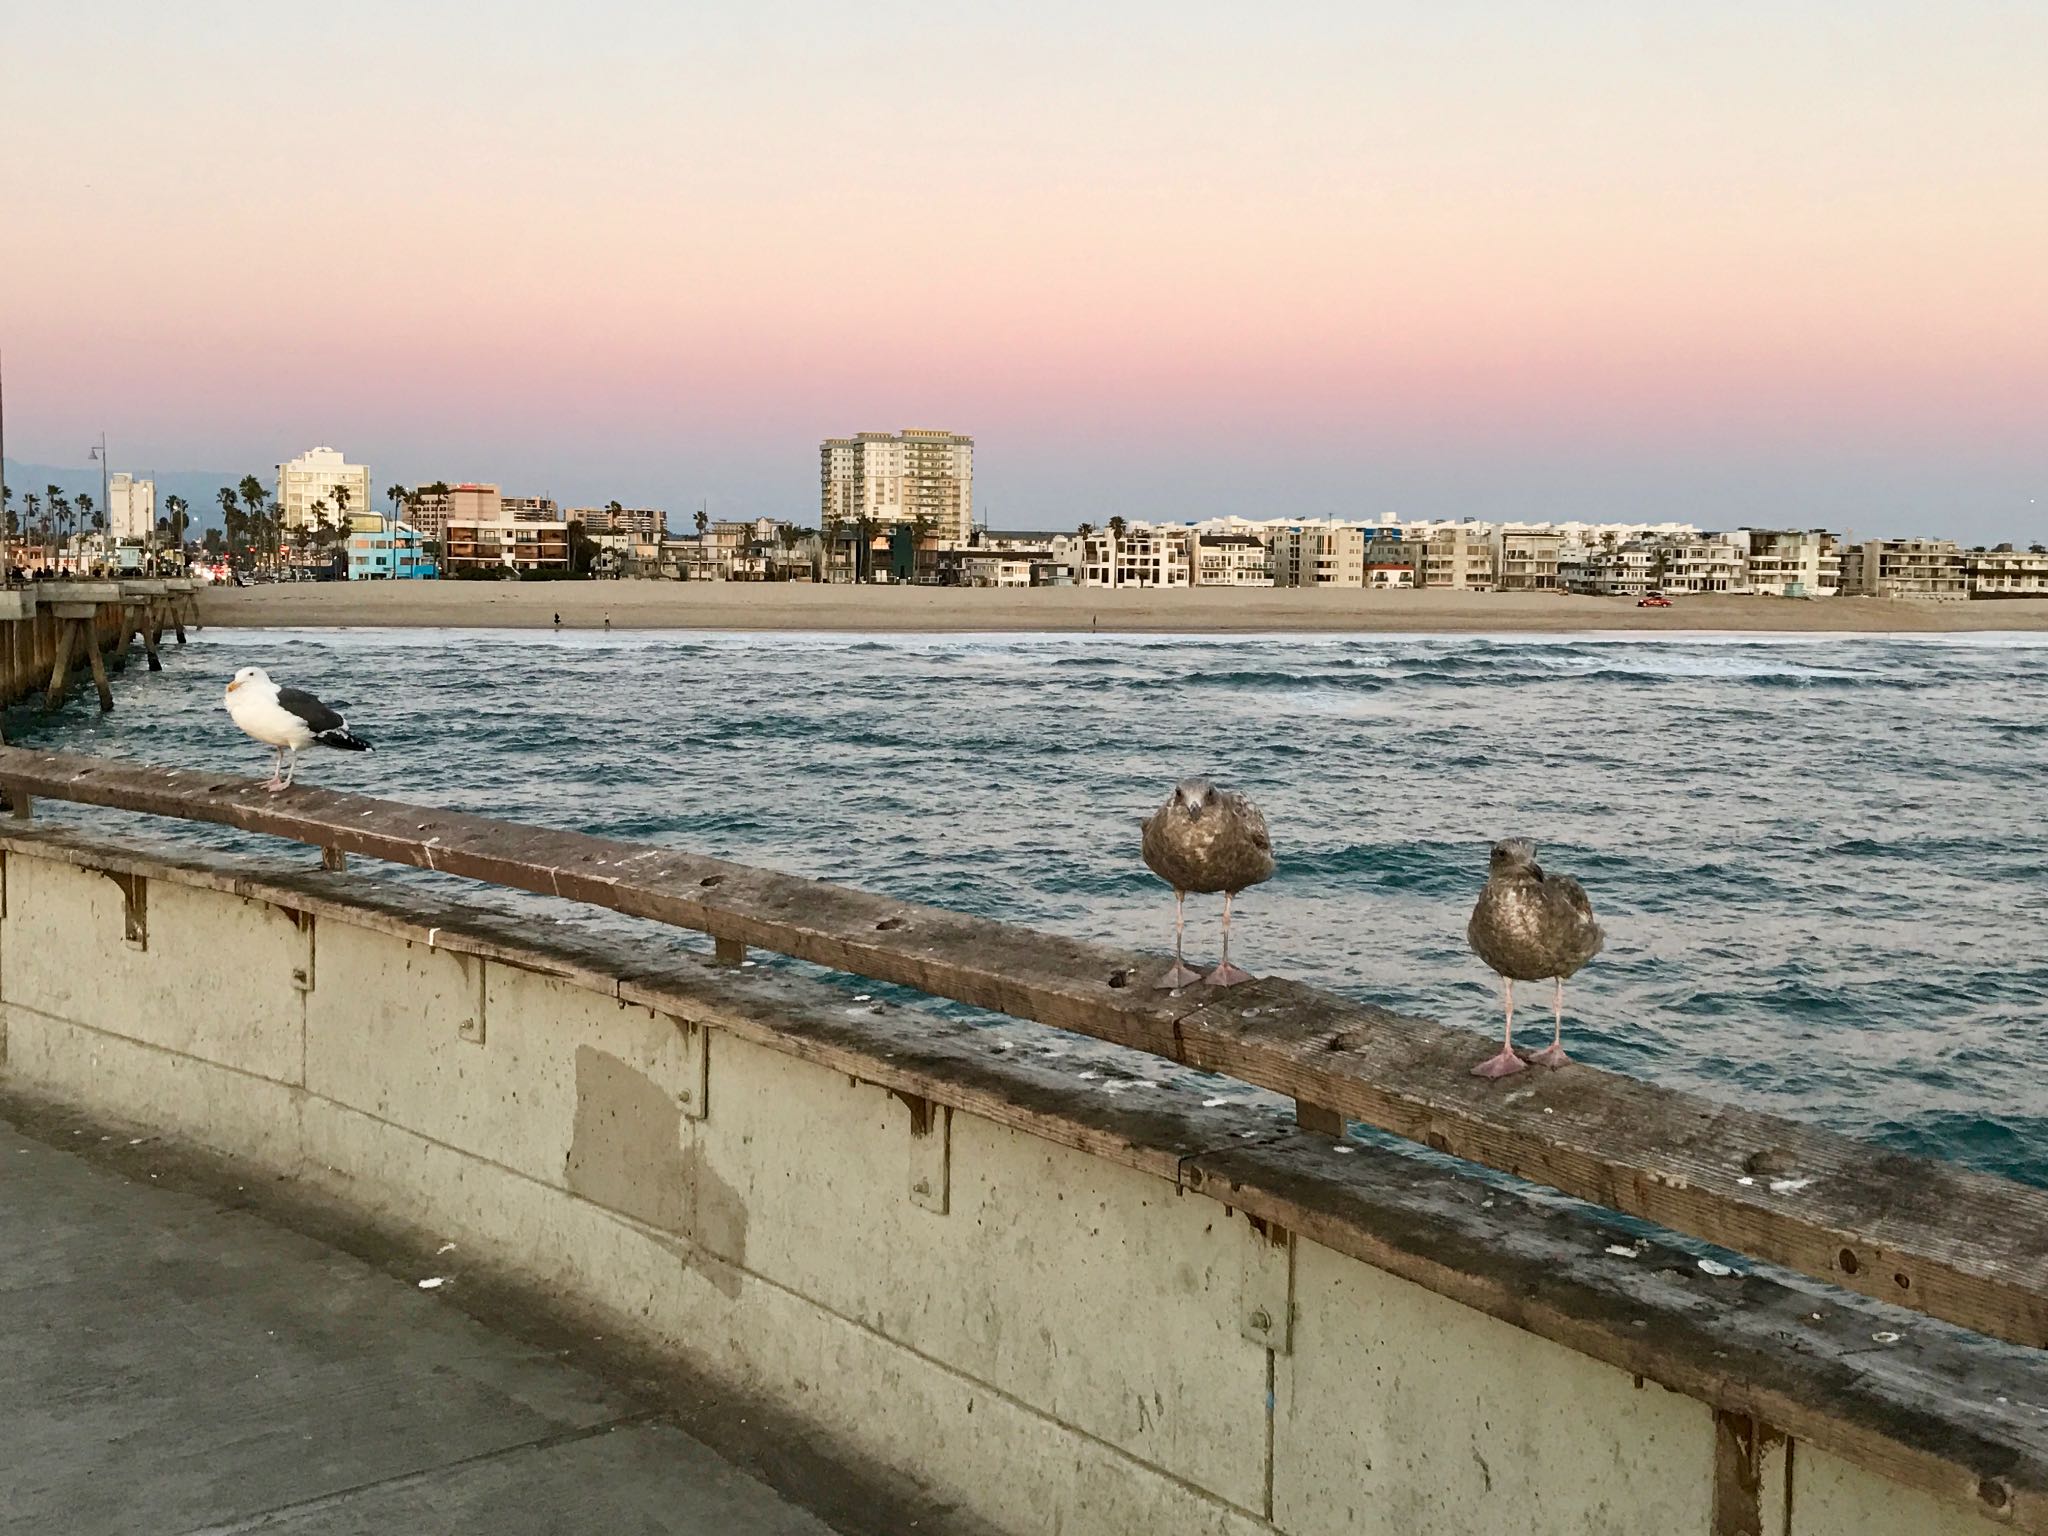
x=1507 y=1062
x=1226 y=974
x=1182 y=974
x=276 y=780
x=1552 y=1055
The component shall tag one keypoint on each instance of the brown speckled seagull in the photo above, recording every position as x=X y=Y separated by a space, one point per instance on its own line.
x=1206 y=840
x=1530 y=926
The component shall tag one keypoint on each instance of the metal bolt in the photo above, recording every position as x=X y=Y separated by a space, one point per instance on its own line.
x=1262 y=1320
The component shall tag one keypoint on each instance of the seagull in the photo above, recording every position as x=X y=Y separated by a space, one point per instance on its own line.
x=1205 y=839
x=1528 y=926
x=288 y=719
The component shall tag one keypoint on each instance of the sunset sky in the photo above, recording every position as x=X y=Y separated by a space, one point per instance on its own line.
x=1731 y=263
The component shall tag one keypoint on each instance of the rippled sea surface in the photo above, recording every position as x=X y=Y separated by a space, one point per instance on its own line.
x=1822 y=861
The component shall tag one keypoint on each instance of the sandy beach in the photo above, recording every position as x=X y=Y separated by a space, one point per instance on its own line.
x=747 y=605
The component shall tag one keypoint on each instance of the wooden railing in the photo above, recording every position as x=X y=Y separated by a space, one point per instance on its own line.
x=1967 y=1247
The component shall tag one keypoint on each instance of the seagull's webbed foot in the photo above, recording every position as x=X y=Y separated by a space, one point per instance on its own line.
x=1228 y=975
x=1178 y=975
x=1506 y=1064
x=1551 y=1055
x=275 y=784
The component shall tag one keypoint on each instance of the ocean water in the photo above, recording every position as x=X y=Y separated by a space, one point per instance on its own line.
x=1822 y=862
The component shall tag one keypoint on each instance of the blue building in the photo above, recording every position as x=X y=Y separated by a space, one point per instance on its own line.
x=392 y=552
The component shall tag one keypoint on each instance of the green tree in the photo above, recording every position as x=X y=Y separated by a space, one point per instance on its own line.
x=581 y=548
x=234 y=526
x=178 y=522
x=60 y=517
x=252 y=494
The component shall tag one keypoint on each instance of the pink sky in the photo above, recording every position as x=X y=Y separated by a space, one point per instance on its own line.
x=1170 y=260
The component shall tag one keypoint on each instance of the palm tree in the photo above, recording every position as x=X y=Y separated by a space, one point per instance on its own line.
x=82 y=502
x=400 y=498
x=703 y=521
x=60 y=517
x=252 y=501
x=31 y=505
x=234 y=522
x=54 y=507
x=176 y=507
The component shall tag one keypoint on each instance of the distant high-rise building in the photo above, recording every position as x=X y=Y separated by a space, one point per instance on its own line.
x=131 y=507
x=645 y=523
x=313 y=477
x=899 y=477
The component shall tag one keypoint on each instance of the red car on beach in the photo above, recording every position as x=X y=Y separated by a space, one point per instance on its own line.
x=1654 y=600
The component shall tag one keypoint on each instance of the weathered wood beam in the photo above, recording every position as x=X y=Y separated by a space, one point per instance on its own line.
x=1964 y=1246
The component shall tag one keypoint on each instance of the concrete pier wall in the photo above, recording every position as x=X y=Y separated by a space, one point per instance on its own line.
x=1050 y=1330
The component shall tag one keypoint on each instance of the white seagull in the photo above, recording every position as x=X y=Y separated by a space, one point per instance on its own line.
x=289 y=719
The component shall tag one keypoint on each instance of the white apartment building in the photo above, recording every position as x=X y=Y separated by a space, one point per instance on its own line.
x=1232 y=560
x=2007 y=572
x=1626 y=570
x=315 y=476
x=1144 y=555
x=1927 y=570
x=1454 y=555
x=1526 y=559
x=1318 y=554
x=647 y=524
x=899 y=477
x=1704 y=564
x=1790 y=562
x=131 y=508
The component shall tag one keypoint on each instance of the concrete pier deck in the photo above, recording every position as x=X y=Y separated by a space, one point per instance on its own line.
x=171 y=1364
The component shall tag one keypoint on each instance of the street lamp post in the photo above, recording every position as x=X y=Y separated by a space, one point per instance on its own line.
x=106 y=494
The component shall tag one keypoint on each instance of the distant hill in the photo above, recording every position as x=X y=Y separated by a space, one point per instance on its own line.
x=199 y=487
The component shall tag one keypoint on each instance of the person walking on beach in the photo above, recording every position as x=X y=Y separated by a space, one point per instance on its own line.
x=558 y=621
x=607 y=623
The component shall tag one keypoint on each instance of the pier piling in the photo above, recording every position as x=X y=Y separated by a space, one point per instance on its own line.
x=49 y=624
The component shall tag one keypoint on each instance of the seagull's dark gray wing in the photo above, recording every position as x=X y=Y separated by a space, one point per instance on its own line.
x=318 y=716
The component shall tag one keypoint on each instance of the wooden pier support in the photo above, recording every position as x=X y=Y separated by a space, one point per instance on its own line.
x=60 y=670
x=99 y=666
x=152 y=631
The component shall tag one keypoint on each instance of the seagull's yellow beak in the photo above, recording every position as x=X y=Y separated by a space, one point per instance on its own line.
x=234 y=685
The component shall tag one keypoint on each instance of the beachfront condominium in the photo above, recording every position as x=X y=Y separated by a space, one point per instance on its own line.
x=915 y=476
x=1318 y=554
x=1526 y=559
x=2007 y=572
x=1232 y=560
x=1928 y=570
x=1455 y=556
x=1790 y=562
x=432 y=507
x=321 y=477
x=131 y=507
x=1137 y=555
